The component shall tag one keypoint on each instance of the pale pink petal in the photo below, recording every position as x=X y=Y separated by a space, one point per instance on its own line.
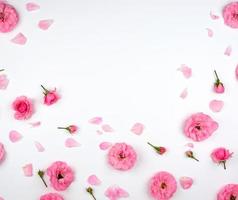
x=209 y=32
x=216 y=105
x=27 y=170
x=107 y=128
x=19 y=39
x=14 y=136
x=115 y=192
x=3 y=82
x=35 y=124
x=70 y=142
x=45 y=24
x=191 y=145
x=105 y=145
x=184 y=93
x=32 y=6
x=236 y=72
x=1 y=198
x=213 y=16
x=94 y=180
x=39 y=146
x=137 y=128
x=96 y=120
x=186 y=182
x=187 y=71
x=228 y=51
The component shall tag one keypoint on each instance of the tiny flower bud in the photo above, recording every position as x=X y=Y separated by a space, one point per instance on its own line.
x=90 y=191
x=70 y=129
x=189 y=154
x=158 y=149
x=218 y=85
x=41 y=175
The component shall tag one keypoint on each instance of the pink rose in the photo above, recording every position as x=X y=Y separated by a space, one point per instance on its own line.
x=8 y=17
x=218 y=85
x=51 y=196
x=2 y=152
x=122 y=156
x=228 y=192
x=162 y=186
x=230 y=14
x=50 y=97
x=221 y=155
x=71 y=129
x=199 y=127
x=61 y=175
x=23 y=108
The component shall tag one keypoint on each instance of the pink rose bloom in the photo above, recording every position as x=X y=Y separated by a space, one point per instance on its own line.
x=8 y=17
x=61 y=175
x=162 y=186
x=122 y=156
x=230 y=14
x=23 y=108
x=199 y=127
x=51 y=196
x=51 y=96
x=2 y=152
x=221 y=155
x=228 y=192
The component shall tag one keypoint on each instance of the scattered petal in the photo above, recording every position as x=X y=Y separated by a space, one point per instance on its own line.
x=191 y=145
x=94 y=180
x=14 y=136
x=3 y=82
x=236 y=72
x=115 y=192
x=105 y=145
x=19 y=39
x=99 y=132
x=228 y=51
x=187 y=71
x=27 y=170
x=107 y=128
x=186 y=182
x=184 y=93
x=137 y=128
x=209 y=32
x=96 y=120
x=39 y=146
x=1 y=198
x=32 y=6
x=216 y=105
x=70 y=142
x=35 y=124
x=45 y=24
x=213 y=16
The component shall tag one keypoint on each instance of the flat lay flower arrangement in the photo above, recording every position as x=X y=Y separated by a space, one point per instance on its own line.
x=58 y=176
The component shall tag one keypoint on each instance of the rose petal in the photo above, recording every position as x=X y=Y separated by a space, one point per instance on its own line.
x=96 y=120
x=213 y=16
x=187 y=71
x=70 y=142
x=105 y=145
x=94 y=180
x=236 y=72
x=14 y=136
x=184 y=93
x=186 y=182
x=3 y=82
x=216 y=105
x=32 y=6
x=27 y=170
x=228 y=51
x=137 y=128
x=45 y=24
x=1 y=198
x=39 y=146
x=191 y=145
x=19 y=39
x=35 y=124
x=209 y=32
x=107 y=128
x=115 y=192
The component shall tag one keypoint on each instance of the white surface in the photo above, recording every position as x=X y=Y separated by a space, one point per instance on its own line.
x=118 y=59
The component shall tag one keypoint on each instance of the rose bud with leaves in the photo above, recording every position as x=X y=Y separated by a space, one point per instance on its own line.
x=71 y=128
x=160 y=150
x=51 y=96
x=218 y=85
x=90 y=191
x=190 y=154
x=221 y=155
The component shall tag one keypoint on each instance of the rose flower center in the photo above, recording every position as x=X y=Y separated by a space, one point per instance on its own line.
x=22 y=107
x=60 y=176
x=198 y=127
x=163 y=185
x=2 y=16
x=235 y=15
x=232 y=197
x=122 y=155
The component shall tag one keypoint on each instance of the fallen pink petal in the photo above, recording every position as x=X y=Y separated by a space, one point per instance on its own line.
x=236 y=72
x=28 y=170
x=39 y=146
x=209 y=32
x=107 y=128
x=105 y=145
x=70 y=143
x=228 y=51
x=187 y=71
x=96 y=120
x=32 y=6
x=45 y=24
x=94 y=180
x=19 y=39
x=3 y=82
x=186 y=182
x=191 y=145
x=137 y=128
x=213 y=16
x=14 y=136
x=35 y=124
x=216 y=105
x=184 y=93
x=115 y=192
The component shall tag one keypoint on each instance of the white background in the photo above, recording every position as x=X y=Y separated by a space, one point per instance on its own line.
x=118 y=59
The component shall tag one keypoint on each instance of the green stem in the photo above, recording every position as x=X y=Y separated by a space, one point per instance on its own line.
x=151 y=144
x=217 y=78
x=45 y=90
x=1 y=70
x=62 y=128
x=195 y=158
x=224 y=164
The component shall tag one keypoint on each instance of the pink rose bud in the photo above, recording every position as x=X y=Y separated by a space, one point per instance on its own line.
x=160 y=150
x=71 y=128
x=50 y=97
x=218 y=85
x=189 y=154
x=221 y=155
